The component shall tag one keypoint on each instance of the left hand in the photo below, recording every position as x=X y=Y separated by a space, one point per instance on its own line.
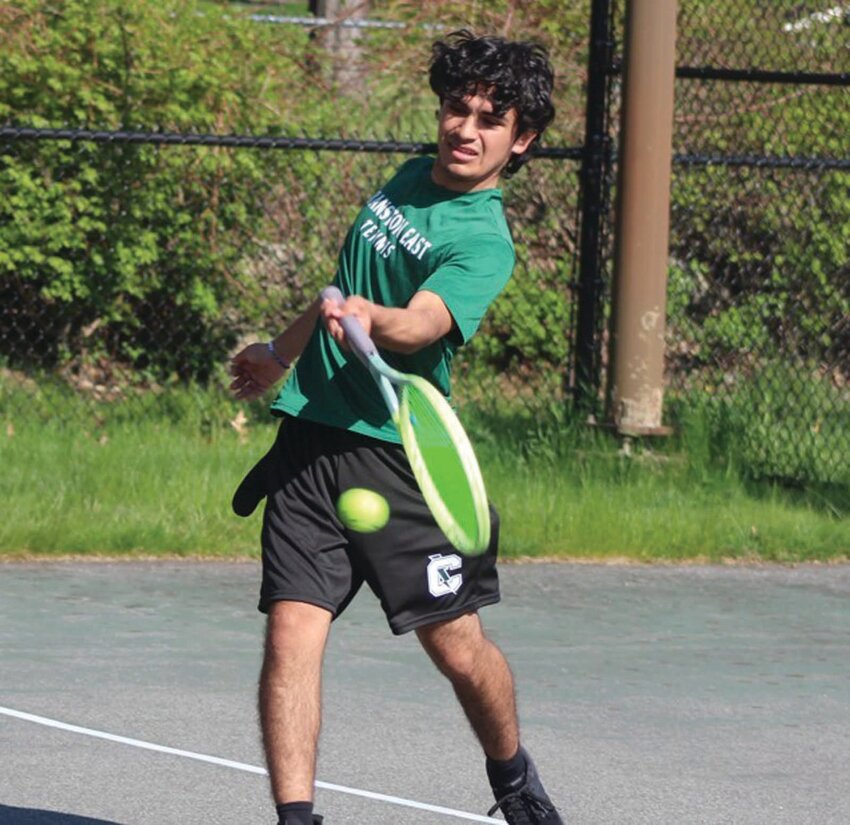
x=254 y=370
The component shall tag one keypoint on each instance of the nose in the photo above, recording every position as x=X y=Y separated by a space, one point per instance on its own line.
x=466 y=128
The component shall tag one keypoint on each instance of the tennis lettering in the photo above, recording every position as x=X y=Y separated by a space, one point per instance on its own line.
x=372 y=234
x=393 y=226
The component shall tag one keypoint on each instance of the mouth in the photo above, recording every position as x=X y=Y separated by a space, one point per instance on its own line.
x=462 y=153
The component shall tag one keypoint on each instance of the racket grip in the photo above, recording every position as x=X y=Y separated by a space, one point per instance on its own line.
x=332 y=293
x=360 y=342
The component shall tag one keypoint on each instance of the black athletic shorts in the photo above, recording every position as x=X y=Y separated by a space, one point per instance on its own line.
x=310 y=556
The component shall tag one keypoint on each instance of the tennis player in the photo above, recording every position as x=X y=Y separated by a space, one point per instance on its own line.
x=424 y=259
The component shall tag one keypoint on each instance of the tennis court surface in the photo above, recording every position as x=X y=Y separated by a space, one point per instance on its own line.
x=647 y=695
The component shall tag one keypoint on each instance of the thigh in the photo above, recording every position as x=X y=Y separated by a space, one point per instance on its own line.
x=304 y=545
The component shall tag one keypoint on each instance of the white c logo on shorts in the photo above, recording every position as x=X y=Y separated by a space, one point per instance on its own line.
x=441 y=581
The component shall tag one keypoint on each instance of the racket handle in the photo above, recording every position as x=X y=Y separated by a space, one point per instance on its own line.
x=332 y=293
x=360 y=342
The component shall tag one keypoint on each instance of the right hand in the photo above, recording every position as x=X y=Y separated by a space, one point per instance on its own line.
x=331 y=313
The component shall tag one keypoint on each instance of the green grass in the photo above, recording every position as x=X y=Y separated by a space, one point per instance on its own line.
x=147 y=489
x=161 y=485
x=569 y=491
x=652 y=513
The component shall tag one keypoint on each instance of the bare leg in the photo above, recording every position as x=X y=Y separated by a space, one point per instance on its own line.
x=481 y=679
x=290 y=697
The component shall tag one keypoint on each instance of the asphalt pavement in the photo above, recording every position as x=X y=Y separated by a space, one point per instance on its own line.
x=647 y=695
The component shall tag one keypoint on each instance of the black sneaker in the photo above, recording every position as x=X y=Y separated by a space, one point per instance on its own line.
x=527 y=803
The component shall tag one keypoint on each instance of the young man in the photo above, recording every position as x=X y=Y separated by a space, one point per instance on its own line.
x=422 y=262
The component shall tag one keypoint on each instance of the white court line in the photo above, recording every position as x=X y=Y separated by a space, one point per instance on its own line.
x=239 y=766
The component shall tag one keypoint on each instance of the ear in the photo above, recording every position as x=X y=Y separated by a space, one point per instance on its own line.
x=522 y=143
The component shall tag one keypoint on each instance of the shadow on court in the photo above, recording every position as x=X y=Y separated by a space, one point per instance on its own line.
x=30 y=816
x=647 y=695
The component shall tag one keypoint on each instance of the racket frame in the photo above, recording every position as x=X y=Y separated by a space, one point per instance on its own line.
x=387 y=379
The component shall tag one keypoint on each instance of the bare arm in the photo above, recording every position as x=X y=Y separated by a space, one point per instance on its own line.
x=255 y=368
x=292 y=341
x=424 y=320
x=399 y=329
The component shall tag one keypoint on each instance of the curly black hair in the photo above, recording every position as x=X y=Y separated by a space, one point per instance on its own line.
x=511 y=74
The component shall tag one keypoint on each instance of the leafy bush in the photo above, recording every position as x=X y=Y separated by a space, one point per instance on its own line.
x=761 y=262
x=124 y=253
x=128 y=261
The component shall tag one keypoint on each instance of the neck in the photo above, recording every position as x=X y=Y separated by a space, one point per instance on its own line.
x=455 y=184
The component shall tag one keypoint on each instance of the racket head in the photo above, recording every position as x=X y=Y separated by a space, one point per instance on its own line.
x=445 y=466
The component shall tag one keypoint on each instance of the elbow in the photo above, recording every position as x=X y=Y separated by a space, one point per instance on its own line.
x=409 y=348
x=431 y=328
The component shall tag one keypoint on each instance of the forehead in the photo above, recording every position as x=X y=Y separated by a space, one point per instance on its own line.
x=481 y=103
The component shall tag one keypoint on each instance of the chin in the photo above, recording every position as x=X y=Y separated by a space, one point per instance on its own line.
x=461 y=172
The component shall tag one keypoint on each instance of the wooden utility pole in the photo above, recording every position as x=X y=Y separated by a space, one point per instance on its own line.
x=636 y=378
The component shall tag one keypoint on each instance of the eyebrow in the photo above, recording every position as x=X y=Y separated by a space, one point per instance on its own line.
x=494 y=113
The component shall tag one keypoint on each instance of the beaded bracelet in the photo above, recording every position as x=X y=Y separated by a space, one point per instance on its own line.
x=276 y=357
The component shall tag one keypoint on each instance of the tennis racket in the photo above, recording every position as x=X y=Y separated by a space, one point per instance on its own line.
x=436 y=445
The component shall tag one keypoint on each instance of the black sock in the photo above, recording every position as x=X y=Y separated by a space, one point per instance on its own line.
x=295 y=813
x=504 y=775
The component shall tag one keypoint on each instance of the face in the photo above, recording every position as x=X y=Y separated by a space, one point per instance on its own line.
x=474 y=144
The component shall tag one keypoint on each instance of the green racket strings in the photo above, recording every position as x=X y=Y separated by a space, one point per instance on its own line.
x=443 y=472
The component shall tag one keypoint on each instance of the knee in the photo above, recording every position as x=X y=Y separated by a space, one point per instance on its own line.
x=457 y=652
x=295 y=628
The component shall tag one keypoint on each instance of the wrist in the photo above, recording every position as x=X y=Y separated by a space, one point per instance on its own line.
x=273 y=353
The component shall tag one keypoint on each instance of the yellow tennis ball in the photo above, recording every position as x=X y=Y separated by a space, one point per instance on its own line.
x=364 y=511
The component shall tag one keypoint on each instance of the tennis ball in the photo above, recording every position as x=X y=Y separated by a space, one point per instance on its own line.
x=364 y=511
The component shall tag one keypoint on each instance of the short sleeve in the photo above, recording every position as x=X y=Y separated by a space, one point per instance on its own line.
x=470 y=278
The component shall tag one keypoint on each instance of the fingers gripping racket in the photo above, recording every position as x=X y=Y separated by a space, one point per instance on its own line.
x=436 y=445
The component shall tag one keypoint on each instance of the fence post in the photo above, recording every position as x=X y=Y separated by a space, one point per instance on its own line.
x=639 y=299
x=593 y=199
x=343 y=42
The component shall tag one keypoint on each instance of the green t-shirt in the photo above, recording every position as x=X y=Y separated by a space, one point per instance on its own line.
x=411 y=235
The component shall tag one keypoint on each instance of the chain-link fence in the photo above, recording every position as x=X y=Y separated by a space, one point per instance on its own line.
x=758 y=303
x=161 y=257
x=759 y=290
x=134 y=262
